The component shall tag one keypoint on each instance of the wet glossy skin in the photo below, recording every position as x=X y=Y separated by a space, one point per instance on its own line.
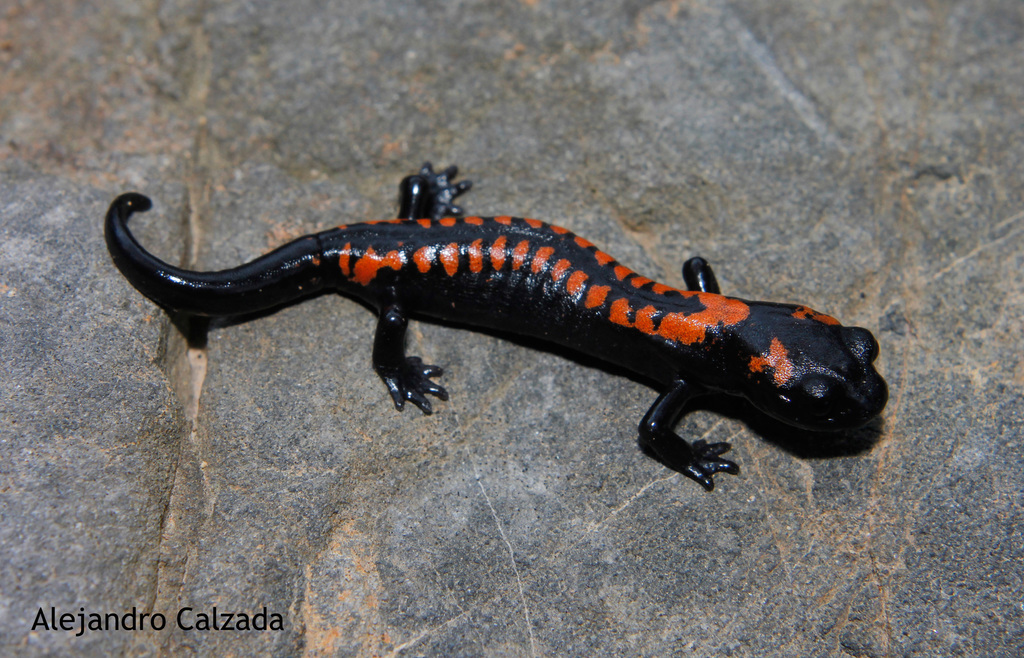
x=528 y=277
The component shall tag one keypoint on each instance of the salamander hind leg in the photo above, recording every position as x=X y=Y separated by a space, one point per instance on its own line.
x=698 y=461
x=406 y=377
x=429 y=194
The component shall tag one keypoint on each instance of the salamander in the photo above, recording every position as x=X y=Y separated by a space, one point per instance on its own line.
x=539 y=280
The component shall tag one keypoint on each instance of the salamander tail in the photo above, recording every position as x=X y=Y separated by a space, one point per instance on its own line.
x=285 y=274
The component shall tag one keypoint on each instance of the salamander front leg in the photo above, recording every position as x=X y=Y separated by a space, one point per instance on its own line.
x=699 y=277
x=406 y=377
x=429 y=195
x=698 y=461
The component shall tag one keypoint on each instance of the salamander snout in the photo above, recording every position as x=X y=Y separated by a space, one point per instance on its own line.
x=826 y=402
x=846 y=395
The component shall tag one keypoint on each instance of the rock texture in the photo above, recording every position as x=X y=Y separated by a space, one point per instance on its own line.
x=864 y=158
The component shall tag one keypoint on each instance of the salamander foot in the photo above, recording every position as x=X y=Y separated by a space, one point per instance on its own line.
x=412 y=382
x=429 y=194
x=704 y=462
x=697 y=461
x=406 y=377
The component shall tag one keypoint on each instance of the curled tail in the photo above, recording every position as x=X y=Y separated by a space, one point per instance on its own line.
x=283 y=275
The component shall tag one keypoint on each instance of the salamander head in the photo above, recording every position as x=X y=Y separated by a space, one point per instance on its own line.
x=806 y=369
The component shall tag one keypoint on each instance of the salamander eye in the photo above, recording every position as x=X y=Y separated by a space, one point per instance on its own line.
x=819 y=393
x=861 y=343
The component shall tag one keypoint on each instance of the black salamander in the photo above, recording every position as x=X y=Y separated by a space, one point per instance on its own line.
x=536 y=279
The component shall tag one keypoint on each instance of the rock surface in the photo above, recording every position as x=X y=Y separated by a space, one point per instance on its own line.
x=863 y=158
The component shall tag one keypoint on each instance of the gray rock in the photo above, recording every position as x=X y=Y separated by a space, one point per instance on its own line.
x=864 y=160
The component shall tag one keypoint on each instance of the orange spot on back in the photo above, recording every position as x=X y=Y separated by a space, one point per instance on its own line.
x=450 y=258
x=503 y=219
x=619 y=312
x=678 y=327
x=726 y=310
x=345 y=258
x=316 y=261
x=596 y=296
x=425 y=223
x=583 y=242
x=559 y=230
x=476 y=256
x=424 y=258
x=639 y=281
x=776 y=358
x=602 y=257
x=541 y=258
x=519 y=254
x=689 y=329
x=475 y=221
x=447 y=221
x=804 y=313
x=575 y=283
x=661 y=288
x=366 y=268
x=559 y=270
x=535 y=223
x=498 y=253
x=621 y=272
x=645 y=319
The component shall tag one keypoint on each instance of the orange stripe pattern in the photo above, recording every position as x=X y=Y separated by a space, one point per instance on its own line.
x=609 y=300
